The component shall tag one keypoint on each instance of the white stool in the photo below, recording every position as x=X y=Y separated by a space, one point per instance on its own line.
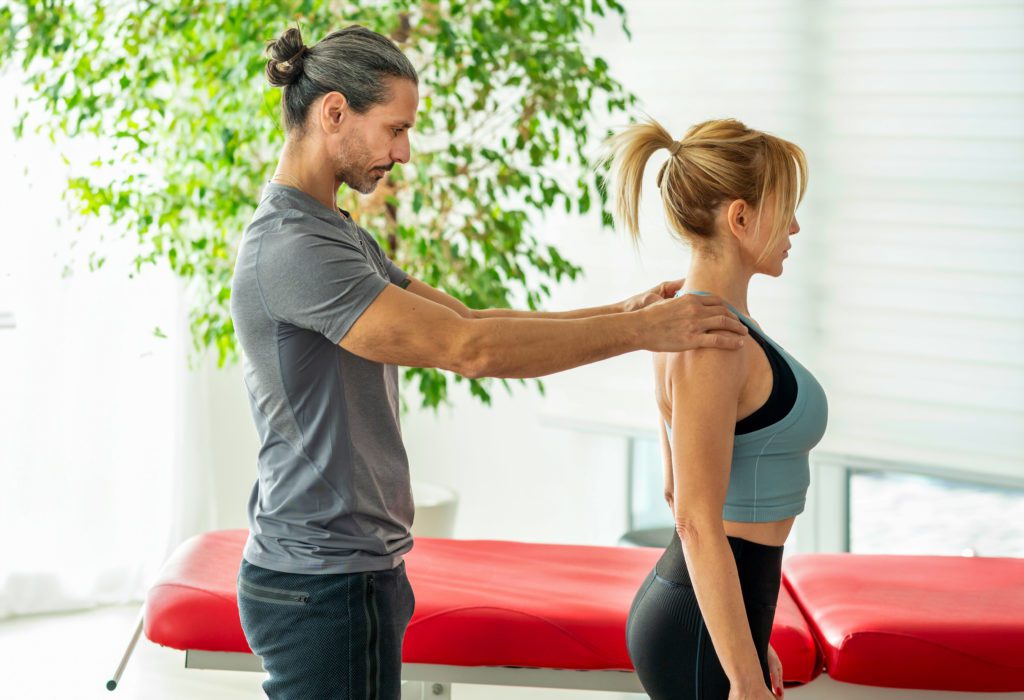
x=435 y=510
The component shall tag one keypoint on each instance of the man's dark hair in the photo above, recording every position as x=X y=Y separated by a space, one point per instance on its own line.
x=354 y=61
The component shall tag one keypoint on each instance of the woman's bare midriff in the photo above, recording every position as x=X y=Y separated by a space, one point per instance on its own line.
x=773 y=534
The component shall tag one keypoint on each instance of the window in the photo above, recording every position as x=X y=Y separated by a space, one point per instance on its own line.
x=894 y=513
x=647 y=506
x=870 y=507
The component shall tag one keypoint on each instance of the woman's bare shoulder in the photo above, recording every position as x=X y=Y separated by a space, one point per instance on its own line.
x=702 y=369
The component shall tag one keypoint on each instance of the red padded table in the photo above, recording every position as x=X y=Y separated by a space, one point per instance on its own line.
x=478 y=603
x=927 y=622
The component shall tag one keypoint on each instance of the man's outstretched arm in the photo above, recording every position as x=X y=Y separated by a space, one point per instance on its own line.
x=665 y=290
x=403 y=328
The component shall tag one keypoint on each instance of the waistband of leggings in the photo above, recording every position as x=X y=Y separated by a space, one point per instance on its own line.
x=759 y=567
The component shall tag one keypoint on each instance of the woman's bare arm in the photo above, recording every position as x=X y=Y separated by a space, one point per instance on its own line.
x=666 y=460
x=705 y=385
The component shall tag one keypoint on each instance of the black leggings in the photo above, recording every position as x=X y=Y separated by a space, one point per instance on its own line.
x=667 y=639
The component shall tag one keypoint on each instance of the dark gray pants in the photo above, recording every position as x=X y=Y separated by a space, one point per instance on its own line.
x=667 y=639
x=331 y=636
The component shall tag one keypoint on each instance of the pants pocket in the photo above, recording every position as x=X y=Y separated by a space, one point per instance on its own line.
x=267 y=594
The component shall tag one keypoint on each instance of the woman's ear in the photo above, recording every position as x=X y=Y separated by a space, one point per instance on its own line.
x=739 y=218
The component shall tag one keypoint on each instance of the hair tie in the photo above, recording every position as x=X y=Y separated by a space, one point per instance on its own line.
x=674 y=148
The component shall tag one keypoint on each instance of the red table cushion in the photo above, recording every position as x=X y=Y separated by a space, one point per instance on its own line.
x=193 y=604
x=792 y=640
x=926 y=622
x=478 y=603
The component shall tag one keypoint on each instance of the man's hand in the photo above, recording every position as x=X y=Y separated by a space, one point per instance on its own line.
x=689 y=322
x=665 y=290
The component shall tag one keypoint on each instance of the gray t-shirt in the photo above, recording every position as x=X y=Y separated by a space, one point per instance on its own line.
x=333 y=492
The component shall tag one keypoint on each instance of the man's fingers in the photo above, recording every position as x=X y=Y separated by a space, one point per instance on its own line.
x=722 y=323
x=669 y=289
x=725 y=341
x=695 y=324
x=712 y=306
x=711 y=300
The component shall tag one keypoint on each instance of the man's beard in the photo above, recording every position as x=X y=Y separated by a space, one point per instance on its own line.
x=356 y=172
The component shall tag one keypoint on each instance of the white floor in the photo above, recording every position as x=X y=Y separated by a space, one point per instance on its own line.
x=54 y=657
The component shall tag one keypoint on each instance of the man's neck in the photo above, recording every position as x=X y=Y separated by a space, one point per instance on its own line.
x=296 y=169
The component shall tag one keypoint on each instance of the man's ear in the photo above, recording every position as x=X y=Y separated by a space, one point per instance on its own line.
x=739 y=217
x=333 y=111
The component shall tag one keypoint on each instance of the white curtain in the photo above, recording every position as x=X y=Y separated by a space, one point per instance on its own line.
x=104 y=456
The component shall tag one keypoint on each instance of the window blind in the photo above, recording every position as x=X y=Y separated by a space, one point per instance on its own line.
x=919 y=278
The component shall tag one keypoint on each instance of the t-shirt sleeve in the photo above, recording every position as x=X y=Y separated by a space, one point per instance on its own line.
x=319 y=283
x=396 y=274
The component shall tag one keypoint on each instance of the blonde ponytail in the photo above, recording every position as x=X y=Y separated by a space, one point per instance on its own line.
x=628 y=153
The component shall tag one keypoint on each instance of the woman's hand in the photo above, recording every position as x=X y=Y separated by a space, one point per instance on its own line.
x=775 y=669
x=761 y=693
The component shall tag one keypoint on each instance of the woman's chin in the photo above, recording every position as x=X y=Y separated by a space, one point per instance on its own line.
x=772 y=268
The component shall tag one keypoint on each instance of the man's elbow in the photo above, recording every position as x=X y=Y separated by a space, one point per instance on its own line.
x=472 y=369
x=478 y=363
x=467 y=355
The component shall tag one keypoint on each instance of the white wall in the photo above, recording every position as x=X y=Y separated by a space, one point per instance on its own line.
x=214 y=434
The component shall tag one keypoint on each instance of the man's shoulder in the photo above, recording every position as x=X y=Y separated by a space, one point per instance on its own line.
x=279 y=230
x=278 y=211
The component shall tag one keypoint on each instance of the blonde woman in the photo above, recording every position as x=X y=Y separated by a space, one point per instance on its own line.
x=737 y=427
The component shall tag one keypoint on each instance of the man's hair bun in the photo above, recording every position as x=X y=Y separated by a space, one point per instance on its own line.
x=287 y=54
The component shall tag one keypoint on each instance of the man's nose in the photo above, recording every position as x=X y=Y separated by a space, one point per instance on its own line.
x=401 y=150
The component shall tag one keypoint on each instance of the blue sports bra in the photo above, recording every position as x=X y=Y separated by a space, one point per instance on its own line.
x=770 y=470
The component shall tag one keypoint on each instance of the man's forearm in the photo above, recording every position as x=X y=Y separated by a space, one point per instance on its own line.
x=519 y=348
x=439 y=297
x=564 y=315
